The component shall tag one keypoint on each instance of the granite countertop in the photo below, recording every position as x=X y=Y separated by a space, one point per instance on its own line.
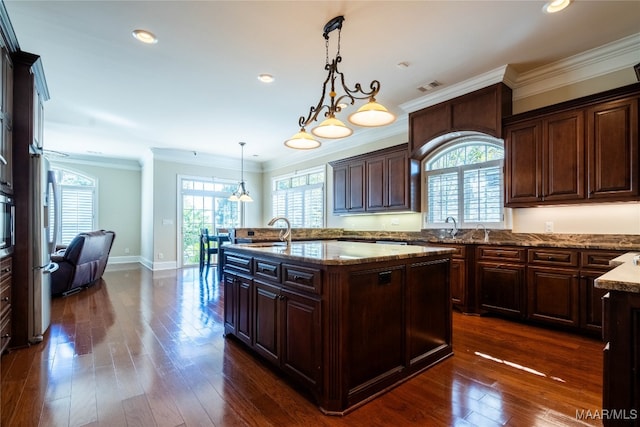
x=333 y=252
x=625 y=277
x=625 y=242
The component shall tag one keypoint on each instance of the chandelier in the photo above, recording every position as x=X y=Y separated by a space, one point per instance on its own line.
x=369 y=115
x=241 y=194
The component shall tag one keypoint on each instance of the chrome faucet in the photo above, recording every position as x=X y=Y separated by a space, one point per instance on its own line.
x=486 y=232
x=454 y=230
x=285 y=235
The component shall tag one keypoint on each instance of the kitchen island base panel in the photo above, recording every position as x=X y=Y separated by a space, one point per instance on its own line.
x=369 y=325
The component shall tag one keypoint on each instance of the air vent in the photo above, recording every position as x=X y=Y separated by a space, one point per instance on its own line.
x=428 y=86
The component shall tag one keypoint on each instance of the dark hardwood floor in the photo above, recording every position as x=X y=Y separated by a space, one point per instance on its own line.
x=146 y=349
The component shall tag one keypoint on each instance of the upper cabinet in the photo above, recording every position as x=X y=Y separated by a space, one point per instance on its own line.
x=575 y=152
x=382 y=181
x=612 y=150
x=479 y=111
x=6 y=109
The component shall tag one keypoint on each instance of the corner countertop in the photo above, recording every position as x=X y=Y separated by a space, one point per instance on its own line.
x=333 y=252
x=625 y=277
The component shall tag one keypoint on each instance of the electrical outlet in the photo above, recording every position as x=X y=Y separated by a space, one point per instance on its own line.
x=126 y=250
x=548 y=227
x=395 y=221
x=160 y=255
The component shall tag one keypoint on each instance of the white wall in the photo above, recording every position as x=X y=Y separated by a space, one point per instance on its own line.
x=146 y=212
x=165 y=201
x=119 y=200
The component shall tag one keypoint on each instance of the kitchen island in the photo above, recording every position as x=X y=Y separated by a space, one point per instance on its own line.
x=347 y=321
x=621 y=326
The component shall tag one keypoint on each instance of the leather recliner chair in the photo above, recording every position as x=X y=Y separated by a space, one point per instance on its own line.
x=82 y=263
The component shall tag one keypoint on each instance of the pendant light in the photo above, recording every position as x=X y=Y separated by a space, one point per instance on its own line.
x=370 y=114
x=241 y=194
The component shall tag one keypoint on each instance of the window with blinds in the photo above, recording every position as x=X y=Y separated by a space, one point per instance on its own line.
x=77 y=196
x=300 y=198
x=464 y=180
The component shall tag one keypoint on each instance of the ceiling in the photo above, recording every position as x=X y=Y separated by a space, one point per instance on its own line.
x=197 y=88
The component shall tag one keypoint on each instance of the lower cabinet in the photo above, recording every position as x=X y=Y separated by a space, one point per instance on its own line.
x=621 y=380
x=500 y=276
x=553 y=295
x=553 y=286
x=345 y=332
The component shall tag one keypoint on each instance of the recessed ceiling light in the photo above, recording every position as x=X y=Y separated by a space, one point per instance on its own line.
x=555 y=6
x=145 y=36
x=266 y=78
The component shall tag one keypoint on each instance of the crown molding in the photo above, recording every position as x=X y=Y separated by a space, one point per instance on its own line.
x=204 y=159
x=608 y=58
x=503 y=73
x=104 y=162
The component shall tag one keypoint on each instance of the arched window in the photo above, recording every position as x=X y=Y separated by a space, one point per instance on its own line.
x=77 y=199
x=464 y=180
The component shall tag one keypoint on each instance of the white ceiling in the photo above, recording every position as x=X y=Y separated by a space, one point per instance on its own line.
x=197 y=88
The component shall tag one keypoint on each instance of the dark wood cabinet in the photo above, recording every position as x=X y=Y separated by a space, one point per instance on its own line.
x=552 y=286
x=580 y=151
x=6 y=122
x=345 y=332
x=267 y=321
x=461 y=276
x=381 y=181
x=612 y=150
x=480 y=111
x=6 y=267
x=301 y=354
x=349 y=187
x=545 y=160
x=500 y=276
x=238 y=296
x=621 y=381
x=388 y=182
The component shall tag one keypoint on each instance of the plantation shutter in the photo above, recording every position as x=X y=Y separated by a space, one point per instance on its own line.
x=442 y=191
x=483 y=193
x=76 y=211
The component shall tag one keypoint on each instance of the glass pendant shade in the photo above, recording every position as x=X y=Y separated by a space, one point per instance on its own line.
x=302 y=141
x=331 y=128
x=241 y=194
x=233 y=198
x=372 y=114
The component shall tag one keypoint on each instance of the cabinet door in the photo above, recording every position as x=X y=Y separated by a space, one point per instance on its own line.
x=244 y=295
x=553 y=295
x=523 y=178
x=612 y=150
x=563 y=156
x=301 y=338
x=6 y=111
x=377 y=193
x=591 y=302
x=356 y=187
x=397 y=180
x=428 y=309
x=266 y=322
x=501 y=288
x=340 y=192
x=458 y=281
x=375 y=325
x=230 y=303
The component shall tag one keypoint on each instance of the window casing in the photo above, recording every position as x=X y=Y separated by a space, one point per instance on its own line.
x=300 y=198
x=77 y=195
x=464 y=180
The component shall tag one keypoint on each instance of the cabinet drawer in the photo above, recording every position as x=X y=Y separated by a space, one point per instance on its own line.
x=460 y=250
x=5 y=299
x=598 y=259
x=502 y=253
x=238 y=262
x=5 y=332
x=557 y=257
x=308 y=279
x=5 y=270
x=267 y=269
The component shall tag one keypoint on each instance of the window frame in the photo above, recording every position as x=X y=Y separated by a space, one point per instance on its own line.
x=57 y=170
x=296 y=174
x=449 y=145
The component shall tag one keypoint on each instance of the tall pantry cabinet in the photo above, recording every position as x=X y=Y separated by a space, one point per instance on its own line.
x=23 y=90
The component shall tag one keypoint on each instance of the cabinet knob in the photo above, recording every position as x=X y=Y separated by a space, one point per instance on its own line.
x=7 y=335
x=6 y=270
x=5 y=299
